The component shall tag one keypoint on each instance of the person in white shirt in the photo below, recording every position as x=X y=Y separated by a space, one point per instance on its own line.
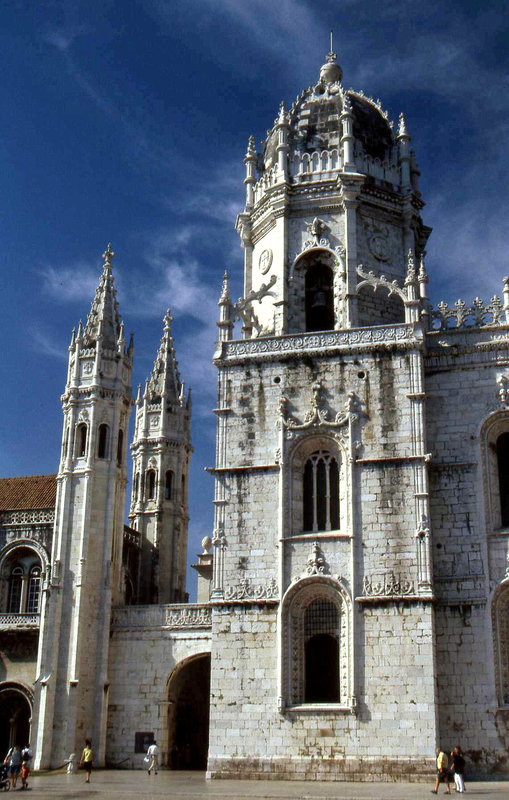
x=153 y=753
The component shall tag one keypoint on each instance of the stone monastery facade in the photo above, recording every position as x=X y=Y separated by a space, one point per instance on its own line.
x=353 y=597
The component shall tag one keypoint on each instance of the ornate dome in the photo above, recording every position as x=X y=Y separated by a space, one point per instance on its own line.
x=315 y=120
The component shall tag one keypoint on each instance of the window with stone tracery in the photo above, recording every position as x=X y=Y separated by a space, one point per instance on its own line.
x=316 y=645
x=500 y=613
x=496 y=470
x=321 y=492
x=21 y=577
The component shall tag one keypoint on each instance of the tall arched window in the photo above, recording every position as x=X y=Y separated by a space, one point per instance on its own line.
x=150 y=484
x=81 y=440
x=102 y=441
x=317 y=658
x=34 y=590
x=321 y=652
x=168 y=484
x=321 y=492
x=500 y=617
x=319 y=298
x=136 y=488
x=120 y=447
x=15 y=590
x=502 y=447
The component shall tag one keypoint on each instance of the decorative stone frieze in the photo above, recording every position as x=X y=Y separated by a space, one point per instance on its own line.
x=387 y=585
x=245 y=590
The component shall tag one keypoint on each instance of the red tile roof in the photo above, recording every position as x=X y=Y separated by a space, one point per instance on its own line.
x=29 y=491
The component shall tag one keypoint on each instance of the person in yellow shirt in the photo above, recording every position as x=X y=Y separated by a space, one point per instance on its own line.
x=442 y=772
x=87 y=758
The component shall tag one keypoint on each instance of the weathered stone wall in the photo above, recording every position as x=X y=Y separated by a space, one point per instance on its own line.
x=141 y=662
x=469 y=554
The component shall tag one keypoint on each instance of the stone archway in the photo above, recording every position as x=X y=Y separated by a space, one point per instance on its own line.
x=188 y=713
x=15 y=716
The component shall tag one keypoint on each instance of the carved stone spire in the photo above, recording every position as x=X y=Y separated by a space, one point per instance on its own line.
x=165 y=377
x=103 y=320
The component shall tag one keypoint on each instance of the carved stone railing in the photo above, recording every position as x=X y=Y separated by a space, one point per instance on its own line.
x=384 y=170
x=460 y=315
x=42 y=516
x=390 y=335
x=179 y=616
x=19 y=621
x=317 y=166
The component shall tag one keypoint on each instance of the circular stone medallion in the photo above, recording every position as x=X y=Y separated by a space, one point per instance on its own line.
x=265 y=261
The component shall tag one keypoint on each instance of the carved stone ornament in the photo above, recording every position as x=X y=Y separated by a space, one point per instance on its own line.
x=245 y=590
x=378 y=239
x=265 y=261
x=243 y=310
x=370 y=279
x=317 y=415
x=316 y=564
x=503 y=390
x=386 y=586
x=478 y=315
x=199 y=617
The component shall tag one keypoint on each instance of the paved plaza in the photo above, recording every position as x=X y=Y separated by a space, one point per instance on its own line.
x=126 y=784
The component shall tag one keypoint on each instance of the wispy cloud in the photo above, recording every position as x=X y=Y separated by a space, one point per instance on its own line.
x=45 y=344
x=70 y=284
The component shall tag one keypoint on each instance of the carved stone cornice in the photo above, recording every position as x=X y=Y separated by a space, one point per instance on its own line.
x=402 y=336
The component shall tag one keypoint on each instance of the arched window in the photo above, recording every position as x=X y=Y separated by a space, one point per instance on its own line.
x=150 y=484
x=321 y=652
x=136 y=486
x=15 y=590
x=502 y=448
x=321 y=492
x=102 y=441
x=34 y=590
x=319 y=298
x=168 y=484
x=66 y=443
x=81 y=440
x=120 y=447
x=317 y=662
x=500 y=616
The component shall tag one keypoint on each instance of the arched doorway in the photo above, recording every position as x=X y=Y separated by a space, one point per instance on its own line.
x=15 y=716
x=188 y=713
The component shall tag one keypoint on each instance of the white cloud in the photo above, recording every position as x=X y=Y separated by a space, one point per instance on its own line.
x=70 y=284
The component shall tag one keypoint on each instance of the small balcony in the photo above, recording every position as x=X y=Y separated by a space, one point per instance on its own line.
x=19 y=622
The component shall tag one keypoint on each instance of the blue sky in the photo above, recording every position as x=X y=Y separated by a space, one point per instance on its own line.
x=128 y=122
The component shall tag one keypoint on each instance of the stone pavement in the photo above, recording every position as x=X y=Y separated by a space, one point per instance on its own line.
x=127 y=784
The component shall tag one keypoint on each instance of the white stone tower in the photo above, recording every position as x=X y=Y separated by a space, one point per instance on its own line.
x=86 y=576
x=322 y=587
x=161 y=451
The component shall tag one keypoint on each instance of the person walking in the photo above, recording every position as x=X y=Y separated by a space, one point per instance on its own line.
x=13 y=762
x=26 y=761
x=87 y=758
x=458 y=767
x=153 y=755
x=442 y=772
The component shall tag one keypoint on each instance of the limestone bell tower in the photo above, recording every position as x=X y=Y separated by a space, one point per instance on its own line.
x=161 y=452
x=321 y=497
x=86 y=577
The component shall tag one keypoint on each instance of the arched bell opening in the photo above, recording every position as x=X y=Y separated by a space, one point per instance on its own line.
x=188 y=714
x=319 y=290
x=15 y=716
x=378 y=307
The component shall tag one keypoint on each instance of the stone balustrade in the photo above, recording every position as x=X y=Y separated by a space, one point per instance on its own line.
x=18 y=621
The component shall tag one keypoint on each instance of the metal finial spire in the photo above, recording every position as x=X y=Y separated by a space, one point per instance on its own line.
x=332 y=57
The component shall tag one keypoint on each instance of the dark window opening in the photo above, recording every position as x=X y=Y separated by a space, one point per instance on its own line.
x=151 y=484
x=15 y=590
x=321 y=652
x=319 y=298
x=34 y=590
x=120 y=447
x=503 y=476
x=168 y=485
x=82 y=440
x=102 y=441
x=321 y=492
